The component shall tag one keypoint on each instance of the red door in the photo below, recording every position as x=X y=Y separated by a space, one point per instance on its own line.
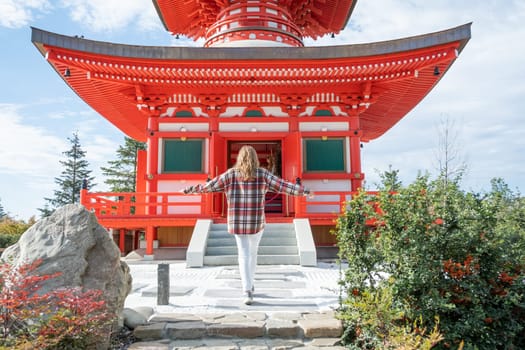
x=270 y=157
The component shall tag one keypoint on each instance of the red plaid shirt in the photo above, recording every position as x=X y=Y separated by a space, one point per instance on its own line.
x=246 y=198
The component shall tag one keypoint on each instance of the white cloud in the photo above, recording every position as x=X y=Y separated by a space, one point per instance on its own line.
x=111 y=15
x=26 y=149
x=30 y=155
x=17 y=14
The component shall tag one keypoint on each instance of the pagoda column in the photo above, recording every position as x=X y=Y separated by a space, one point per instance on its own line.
x=122 y=241
x=216 y=160
x=356 y=174
x=292 y=170
x=151 y=180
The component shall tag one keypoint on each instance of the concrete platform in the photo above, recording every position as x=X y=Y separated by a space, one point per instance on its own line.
x=218 y=288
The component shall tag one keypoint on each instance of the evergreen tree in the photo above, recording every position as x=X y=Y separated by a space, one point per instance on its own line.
x=3 y=214
x=121 y=173
x=75 y=171
x=390 y=180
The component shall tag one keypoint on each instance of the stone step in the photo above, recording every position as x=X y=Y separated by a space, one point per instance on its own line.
x=263 y=250
x=268 y=331
x=270 y=241
x=268 y=343
x=278 y=246
x=289 y=233
x=268 y=227
x=218 y=260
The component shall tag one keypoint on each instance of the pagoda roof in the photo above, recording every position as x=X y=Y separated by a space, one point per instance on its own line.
x=118 y=80
x=194 y=17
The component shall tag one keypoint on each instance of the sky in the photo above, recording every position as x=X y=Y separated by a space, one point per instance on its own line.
x=482 y=96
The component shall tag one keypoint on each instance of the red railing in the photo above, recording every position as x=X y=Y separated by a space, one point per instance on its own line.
x=324 y=204
x=151 y=204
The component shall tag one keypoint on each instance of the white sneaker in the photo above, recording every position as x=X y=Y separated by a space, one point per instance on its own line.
x=248 y=299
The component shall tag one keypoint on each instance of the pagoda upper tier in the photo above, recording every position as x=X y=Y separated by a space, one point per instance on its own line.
x=254 y=22
x=378 y=82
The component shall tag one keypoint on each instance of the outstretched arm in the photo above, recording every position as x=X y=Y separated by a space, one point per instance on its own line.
x=214 y=185
x=279 y=185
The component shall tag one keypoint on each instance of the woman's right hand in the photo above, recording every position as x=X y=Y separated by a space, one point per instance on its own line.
x=188 y=190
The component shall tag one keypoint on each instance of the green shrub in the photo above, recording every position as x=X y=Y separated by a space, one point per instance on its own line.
x=7 y=240
x=441 y=254
x=11 y=230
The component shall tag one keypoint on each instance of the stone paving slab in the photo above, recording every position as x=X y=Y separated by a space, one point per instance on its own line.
x=264 y=270
x=319 y=328
x=288 y=270
x=174 y=291
x=138 y=286
x=173 y=317
x=258 y=276
x=238 y=344
x=260 y=294
x=260 y=304
x=272 y=284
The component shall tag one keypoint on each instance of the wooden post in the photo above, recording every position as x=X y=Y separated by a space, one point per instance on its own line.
x=122 y=241
x=356 y=175
x=163 y=284
x=150 y=237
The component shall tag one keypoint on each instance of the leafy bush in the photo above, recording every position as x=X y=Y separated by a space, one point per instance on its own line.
x=437 y=253
x=11 y=230
x=63 y=319
x=7 y=240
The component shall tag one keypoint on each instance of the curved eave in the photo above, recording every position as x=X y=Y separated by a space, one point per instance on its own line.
x=459 y=34
x=317 y=18
x=116 y=100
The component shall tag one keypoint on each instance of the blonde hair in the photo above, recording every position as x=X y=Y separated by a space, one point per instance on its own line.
x=247 y=162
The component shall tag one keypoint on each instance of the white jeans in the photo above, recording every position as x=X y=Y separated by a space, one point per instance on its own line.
x=247 y=246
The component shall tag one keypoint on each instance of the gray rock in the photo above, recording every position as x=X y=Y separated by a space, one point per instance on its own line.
x=133 y=319
x=145 y=311
x=72 y=242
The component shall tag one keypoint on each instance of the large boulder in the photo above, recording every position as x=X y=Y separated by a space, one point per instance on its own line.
x=72 y=242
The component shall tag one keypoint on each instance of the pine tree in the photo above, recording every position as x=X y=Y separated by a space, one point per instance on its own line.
x=121 y=173
x=3 y=214
x=390 y=180
x=75 y=171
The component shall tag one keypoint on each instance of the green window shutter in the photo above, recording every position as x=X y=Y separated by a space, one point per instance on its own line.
x=183 y=114
x=183 y=156
x=324 y=155
x=323 y=113
x=254 y=113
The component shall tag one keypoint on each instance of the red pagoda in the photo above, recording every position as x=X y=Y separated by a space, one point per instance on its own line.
x=306 y=110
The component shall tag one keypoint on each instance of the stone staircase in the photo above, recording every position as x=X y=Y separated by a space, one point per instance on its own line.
x=278 y=246
x=294 y=307
x=241 y=330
